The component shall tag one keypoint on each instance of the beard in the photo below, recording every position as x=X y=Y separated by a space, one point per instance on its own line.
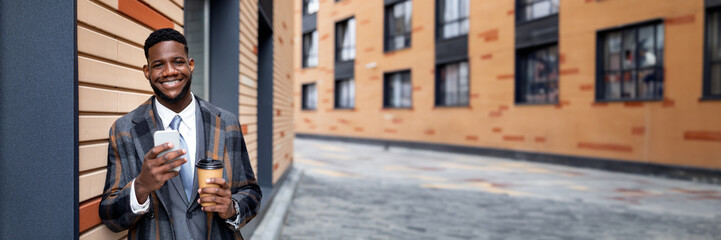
x=180 y=96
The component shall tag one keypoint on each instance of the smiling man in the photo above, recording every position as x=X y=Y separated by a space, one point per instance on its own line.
x=142 y=193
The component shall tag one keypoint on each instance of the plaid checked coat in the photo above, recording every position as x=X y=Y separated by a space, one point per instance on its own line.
x=131 y=137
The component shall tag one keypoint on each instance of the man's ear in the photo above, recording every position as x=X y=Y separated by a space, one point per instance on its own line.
x=191 y=64
x=146 y=72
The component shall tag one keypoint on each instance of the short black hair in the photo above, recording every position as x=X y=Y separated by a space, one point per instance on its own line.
x=164 y=34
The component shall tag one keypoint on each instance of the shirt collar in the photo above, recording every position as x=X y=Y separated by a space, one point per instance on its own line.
x=166 y=115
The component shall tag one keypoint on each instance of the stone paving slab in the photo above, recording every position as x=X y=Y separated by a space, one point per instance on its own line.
x=355 y=191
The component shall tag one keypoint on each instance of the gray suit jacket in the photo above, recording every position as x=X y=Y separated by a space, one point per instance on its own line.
x=131 y=137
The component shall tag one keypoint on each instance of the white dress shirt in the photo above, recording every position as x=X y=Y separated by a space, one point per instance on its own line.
x=186 y=129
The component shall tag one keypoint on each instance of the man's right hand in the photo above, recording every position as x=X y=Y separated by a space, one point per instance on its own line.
x=156 y=170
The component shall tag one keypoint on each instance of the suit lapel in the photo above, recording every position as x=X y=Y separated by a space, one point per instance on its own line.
x=177 y=184
x=146 y=123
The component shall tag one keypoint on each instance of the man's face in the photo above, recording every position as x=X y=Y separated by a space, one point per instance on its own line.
x=169 y=71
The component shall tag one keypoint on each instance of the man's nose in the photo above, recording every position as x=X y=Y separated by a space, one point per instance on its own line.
x=169 y=70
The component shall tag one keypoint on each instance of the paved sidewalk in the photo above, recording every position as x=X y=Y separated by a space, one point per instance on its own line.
x=355 y=191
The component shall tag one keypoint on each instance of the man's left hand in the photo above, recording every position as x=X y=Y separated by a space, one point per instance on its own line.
x=221 y=197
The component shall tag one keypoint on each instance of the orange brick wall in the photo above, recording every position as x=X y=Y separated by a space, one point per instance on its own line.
x=111 y=34
x=283 y=132
x=680 y=130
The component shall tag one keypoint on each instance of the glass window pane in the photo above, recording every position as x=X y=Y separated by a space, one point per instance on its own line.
x=553 y=62
x=311 y=6
x=541 y=9
x=450 y=12
x=314 y=97
x=629 y=84
x=465 y=8
x=408 y=13
x=554 y=6
x=351 y=95
x=647 y=50
x=398 y=19
x=528 y=10
x=451 y=30
x=463 y=83
x=351 y=38
x=529 y=77
x=407 y=90
x=314 y=50
x=715 y=36
x=395 y=90
x=648 y=86
x=629 y=49
x=659 y=43
x=451 y=84
x=613 y=51
x=613 y=86
x=715 y=79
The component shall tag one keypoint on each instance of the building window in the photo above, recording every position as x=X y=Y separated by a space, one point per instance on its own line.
x=310 y=97
x=538 y=75
x=345 y=40
x=535 y=9
x=345 y=93
x=712 y=84
x=453 y=18
x=310 y=7
x=310 y=49
x=631 y=63
x=397 y=90
x=452 y=84
x=398 y=25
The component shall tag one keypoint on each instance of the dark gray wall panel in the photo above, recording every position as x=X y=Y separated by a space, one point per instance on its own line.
x=265 y=103
x=344 y=69
x=713 y=3
x=451 y=50
x=537 y=32
x=389 y=2
x=38 y=120
x=309 y=22
x=265 y=9
x=224 y=49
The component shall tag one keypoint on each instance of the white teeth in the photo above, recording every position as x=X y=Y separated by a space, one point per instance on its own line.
x=171 y=83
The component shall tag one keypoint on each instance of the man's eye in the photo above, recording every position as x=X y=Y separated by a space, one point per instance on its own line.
x=179 y=62
x=157 y=65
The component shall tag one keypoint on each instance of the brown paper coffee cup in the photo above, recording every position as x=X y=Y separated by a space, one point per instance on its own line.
x=207 y=168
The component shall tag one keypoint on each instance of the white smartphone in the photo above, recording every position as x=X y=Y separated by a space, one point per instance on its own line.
x=164 y=136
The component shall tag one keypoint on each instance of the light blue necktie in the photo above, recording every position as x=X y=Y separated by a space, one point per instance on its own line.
x=186 y=171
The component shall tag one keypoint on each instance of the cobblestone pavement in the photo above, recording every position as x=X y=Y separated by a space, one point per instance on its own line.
x=355 y=191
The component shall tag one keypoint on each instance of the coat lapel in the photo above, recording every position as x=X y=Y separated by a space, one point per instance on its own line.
x=214 y=131
x=214 y=138
x=146 y=124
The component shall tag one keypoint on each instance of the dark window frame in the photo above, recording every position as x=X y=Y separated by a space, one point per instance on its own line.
x=659 y=66
x=388 y=26
x=440 y=20
x=521 y=6
x=338 y=47
x=336 y=89
x=521 y=79
x=440 y=90
x=304 y=101
x=306 y=52
x=386 y=88
x=706 y=91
